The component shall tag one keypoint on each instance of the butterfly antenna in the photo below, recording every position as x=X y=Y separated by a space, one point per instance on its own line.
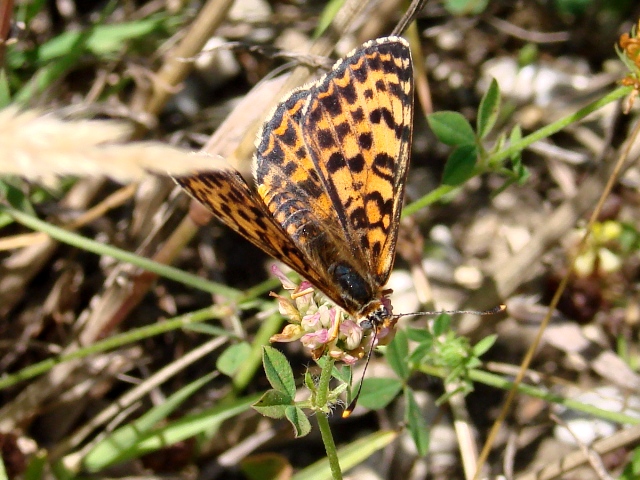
x=349 y=410
x=493 y=311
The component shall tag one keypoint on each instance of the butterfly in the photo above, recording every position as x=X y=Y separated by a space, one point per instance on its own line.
x=330 y=169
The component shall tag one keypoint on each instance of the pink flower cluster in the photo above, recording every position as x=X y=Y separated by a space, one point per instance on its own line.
x=320 y=325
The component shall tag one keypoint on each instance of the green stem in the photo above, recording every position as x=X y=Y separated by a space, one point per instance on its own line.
x=323 y=383
x=490 y=378
x=523 y=143
x=428 y=199
x=323 y=421
x=75 y=240
x=497 y=381
x=110 y=343
x=558 y=125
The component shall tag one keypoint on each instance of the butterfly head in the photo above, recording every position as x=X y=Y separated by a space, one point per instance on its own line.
x=377 y=317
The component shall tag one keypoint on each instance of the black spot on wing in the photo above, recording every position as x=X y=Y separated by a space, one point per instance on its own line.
x=325 y=139
x=275 y=155
x=385 y=207
x=290 y=168
x=342 y=130
x=357 y=114
x=365 y=140
x=383 y=166
x=336 y=162
x=384 y=114
x=234 y=196
x=376 y=249
x=396 y=90
x=348 y=92
x=356 y=164
x=226 y=209
x=361 y=74
x=331 y=103
x=358 y=218
x=374 y=63
x=312 y=188
x=289 y=136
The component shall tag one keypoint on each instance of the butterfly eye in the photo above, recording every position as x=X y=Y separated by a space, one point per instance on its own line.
x=366 y=324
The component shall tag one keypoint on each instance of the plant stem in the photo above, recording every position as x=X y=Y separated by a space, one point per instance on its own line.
x=75 y=240
x=111 y=343
x=497 y=381
x=523 y=143
x=323 y=421
x=560 y=124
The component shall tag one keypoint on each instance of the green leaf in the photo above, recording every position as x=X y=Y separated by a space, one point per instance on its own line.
x=466 y=7
x=483 y=345
x=632 y=470
x=460 y=165
x=415 y=421
x=441 y=324
x=265 y=466
x=336 y=392
x=14 y=197
x=379 y=392
x=273 y=404
x=528 y=54
x=298 y=421
x=451 y=128
x=573 y=7
x=278 y=371
x=3 y=470
x=5 y=89
x=397 y=353
x=126 y=442
x=420 y=352
x=38 y=463
x=100 y=39
x=327 y=16
x=343 y=373
x=418 y=334
x=233 y=358
x=489 y=109
x=514 y=137
x=310 y=382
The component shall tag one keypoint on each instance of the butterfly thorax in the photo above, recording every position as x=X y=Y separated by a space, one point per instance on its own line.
x=355 y=290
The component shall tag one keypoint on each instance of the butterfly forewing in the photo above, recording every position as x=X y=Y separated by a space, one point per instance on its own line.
x=357 y=128
x=282 y=166
x=290 y=187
